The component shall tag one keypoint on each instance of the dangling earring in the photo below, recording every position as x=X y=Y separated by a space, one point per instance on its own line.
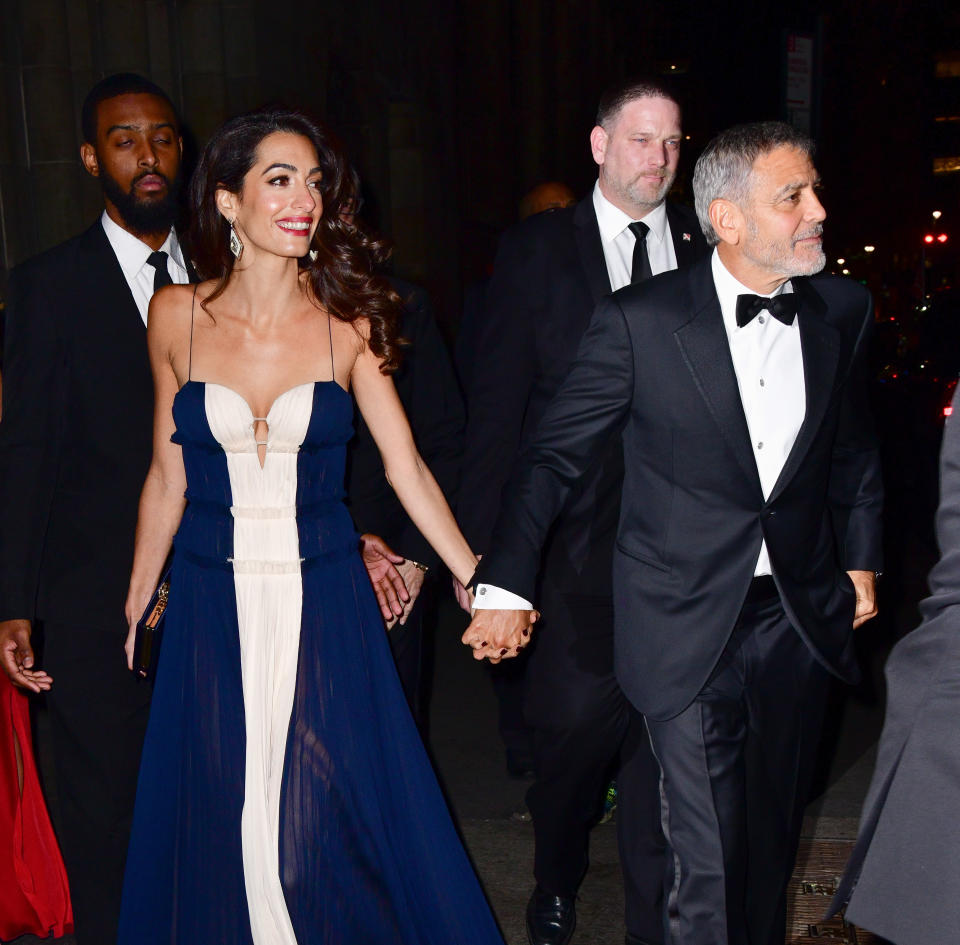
x=236 y=246
x=313 y=255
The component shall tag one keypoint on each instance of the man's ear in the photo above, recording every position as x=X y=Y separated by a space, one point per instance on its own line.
x=727 y=220
x=88 y=154
x=598 y=144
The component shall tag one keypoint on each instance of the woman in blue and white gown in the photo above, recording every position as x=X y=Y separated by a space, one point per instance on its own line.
x=285 y=797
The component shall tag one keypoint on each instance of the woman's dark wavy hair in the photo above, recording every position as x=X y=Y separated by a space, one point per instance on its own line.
x=343 y=276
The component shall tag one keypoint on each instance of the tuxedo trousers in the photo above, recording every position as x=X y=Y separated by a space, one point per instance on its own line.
x=583 y=729
x=98 y=719
x=736 y=767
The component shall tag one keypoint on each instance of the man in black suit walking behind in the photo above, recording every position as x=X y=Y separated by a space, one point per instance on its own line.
x=551 y=270
x=750 y=523
x=75 y=443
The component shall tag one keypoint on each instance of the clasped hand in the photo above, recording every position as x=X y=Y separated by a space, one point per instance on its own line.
x=499 y=634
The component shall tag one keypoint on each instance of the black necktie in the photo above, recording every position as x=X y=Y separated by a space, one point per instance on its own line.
x=162 y=275
x=641 y=261
x=782 y=307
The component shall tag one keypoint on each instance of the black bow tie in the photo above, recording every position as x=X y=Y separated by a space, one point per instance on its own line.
x=782 y=307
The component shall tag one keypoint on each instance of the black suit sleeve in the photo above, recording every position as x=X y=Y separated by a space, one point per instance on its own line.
x=504 y=366
x=856 y=487
x=435 y=410
x=590 y=406
x=34 y=382
x=945 y=577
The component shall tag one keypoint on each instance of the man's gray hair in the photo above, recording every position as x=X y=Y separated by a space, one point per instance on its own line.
x=724 y=168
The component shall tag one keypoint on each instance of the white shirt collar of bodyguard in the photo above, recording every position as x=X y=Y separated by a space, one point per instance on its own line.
x=132 y=253
x=613 y=221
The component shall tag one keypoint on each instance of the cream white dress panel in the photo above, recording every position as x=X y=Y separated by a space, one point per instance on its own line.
x=266 y=566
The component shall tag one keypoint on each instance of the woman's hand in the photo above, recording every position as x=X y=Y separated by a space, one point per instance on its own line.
x=129 y=644
x=136 y=605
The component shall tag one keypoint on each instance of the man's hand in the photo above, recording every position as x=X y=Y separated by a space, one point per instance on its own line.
x=412 y=577
x=499 y=634
x=381 y=563
x=865 y=584
x=16 y=657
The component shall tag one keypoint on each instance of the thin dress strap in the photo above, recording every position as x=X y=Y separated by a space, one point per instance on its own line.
x=333 y=373
x=193 y=305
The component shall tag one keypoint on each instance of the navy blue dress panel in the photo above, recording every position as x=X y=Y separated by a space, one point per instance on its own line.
x=368 y=852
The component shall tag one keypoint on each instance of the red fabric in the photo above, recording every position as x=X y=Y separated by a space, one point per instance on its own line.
x=34 y=896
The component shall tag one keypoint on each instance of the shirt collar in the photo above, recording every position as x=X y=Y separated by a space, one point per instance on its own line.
x=613 y=221
x=132 y=253
x=729 y=287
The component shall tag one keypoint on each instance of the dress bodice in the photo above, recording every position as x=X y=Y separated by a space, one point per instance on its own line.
x=307 y=429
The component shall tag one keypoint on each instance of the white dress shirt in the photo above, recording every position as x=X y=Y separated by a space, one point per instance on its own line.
x=768 y=361
x=618 y=240
x=618 y=243
x=132 y=255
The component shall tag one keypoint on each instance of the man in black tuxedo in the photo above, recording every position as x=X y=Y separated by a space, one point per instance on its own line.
x=75 y=443
x=551 y=270
x=750 y=523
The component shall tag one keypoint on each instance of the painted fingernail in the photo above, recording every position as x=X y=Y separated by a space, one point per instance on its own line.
x=526 y=632
x=484 y=643
x=504 y=650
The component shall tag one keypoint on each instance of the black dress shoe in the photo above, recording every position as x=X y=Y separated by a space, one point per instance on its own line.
x=550 y=919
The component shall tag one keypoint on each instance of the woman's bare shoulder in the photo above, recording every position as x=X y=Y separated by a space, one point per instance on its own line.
x=174 y=304
x=360 y=327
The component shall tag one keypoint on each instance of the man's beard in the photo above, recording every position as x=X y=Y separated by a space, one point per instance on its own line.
x=143 y=215
x=781 y=257
x=641 y=197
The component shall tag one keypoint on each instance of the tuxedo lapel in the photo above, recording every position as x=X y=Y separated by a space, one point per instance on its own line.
x=820 y=344
x=687 y=245
x=104 y=279
x=706 y=351
x=587 y=234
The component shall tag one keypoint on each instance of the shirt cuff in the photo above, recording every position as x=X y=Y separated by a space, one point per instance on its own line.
x=489 y=597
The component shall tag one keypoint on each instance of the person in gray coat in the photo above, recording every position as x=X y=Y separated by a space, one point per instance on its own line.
x=903 y=878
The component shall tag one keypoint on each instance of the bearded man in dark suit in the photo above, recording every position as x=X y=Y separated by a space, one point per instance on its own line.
x=75 y=443
x=550 y=272
x=749 y=530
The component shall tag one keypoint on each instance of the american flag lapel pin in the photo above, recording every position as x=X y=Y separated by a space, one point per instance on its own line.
x=686 y=237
